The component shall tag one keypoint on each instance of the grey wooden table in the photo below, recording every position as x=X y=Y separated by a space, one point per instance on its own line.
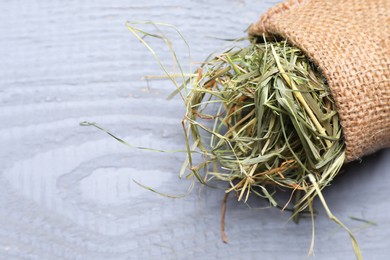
x=67 y=191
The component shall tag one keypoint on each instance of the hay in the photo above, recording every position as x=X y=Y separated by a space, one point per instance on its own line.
x=264 y=119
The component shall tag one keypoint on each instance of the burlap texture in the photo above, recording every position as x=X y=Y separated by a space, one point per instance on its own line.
x=349 y=40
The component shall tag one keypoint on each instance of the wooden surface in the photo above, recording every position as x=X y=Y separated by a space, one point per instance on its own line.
x=67 y=191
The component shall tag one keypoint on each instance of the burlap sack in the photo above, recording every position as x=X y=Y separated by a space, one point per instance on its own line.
x=349 y=40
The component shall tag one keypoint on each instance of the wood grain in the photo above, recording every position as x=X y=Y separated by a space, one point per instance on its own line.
x=67 y=191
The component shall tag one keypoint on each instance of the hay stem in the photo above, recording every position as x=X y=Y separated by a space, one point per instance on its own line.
x=223 y=216
x=335 y=219
x=299 y=96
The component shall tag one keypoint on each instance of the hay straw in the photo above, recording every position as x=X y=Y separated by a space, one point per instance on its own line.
x=263 y=119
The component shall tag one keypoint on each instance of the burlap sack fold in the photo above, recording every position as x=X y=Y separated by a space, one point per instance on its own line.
x=349 y=40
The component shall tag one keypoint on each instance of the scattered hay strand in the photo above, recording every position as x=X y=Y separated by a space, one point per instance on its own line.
x=223 y=216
